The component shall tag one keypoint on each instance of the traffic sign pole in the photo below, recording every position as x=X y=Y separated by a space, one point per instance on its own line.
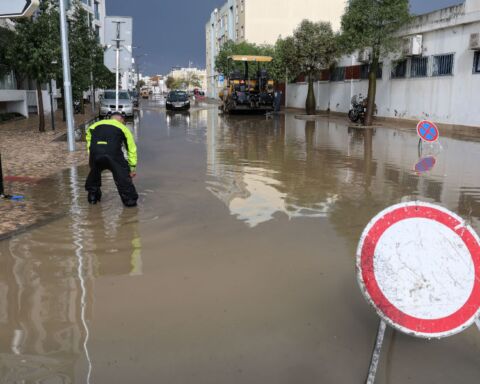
x=377 y=350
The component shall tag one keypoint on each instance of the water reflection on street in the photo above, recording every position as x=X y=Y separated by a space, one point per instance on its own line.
x=258 y=167
x=238 y=265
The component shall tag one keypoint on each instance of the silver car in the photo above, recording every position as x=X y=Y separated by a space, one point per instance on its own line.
x=108 y=102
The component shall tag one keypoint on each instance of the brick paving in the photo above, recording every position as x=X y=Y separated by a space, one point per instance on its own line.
x=30 y=162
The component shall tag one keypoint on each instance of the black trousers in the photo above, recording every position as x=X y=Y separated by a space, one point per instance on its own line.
x=121 y=174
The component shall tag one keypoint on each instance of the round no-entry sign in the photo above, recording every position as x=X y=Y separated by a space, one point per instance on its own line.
x=419 y=266
x=428 y=131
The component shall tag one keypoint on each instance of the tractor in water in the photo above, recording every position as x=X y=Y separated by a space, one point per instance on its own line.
x=248 y=87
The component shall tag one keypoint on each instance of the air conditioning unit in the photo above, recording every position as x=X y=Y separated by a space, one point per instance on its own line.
x=475 y=41
x=364 y=56
x=413 y=46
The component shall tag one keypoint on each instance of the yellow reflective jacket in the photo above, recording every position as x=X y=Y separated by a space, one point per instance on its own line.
x=108 y=137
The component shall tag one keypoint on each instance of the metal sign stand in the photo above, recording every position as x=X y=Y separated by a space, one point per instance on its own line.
x=117 y=65
x=372 y=371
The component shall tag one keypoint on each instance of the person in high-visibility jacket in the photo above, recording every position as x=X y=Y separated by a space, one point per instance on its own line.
x=105 y=140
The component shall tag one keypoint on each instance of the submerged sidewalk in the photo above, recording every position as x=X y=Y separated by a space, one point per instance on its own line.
x=29 y=157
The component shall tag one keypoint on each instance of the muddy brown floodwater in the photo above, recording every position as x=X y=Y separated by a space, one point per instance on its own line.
x=238 y=266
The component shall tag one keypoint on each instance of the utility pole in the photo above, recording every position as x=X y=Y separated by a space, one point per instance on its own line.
x=67 y=81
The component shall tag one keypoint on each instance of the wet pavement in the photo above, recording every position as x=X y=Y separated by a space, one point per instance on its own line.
x=238 y=266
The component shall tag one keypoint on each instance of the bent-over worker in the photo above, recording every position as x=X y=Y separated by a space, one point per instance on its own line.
x=105 y=140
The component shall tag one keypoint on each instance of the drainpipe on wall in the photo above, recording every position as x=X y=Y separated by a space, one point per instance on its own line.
x=286 y=86
x=351 y=80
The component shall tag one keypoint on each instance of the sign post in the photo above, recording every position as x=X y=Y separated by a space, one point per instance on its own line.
x=118 y=30
x=418 y=265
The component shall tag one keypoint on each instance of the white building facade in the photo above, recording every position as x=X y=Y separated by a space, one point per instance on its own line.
x=188 y=73
x=96 y=14
x=437 y=77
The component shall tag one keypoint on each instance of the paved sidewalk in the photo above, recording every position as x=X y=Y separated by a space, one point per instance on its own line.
x=29 y=158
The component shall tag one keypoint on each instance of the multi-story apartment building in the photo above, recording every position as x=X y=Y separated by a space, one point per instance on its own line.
x=261 y=22
x=184 y=73
x=96 y=12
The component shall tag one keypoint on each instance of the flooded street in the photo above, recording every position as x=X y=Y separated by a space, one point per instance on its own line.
x=238 y=266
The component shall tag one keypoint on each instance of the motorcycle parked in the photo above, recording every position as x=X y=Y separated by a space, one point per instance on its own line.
x=358 y=110
x=77 y=107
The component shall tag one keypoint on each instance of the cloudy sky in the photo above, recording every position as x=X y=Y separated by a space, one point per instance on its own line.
x=171 y=32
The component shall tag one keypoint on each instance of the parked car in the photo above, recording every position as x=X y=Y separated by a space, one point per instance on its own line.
x=108 y=103
x=177 y=100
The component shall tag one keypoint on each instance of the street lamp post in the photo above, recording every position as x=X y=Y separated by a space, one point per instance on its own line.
x=67 y=82
x=52 y=112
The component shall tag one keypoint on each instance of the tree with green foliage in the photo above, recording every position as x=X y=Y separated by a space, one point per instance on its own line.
x=314 y=48
x=170 y=82
x=140 y=84
x=35 y=45
x=285 y=65
x=374 y=25
x=83 y=45
x=6 y=40
x=231 y=48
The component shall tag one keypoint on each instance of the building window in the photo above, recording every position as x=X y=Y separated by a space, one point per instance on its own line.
x=337 y=74
x=419 y=67
x=97 y=11
x=365 y=70
x=442 y=65
x=324 y=75
x=476 y=62
x=352 y=72
x=399 y=69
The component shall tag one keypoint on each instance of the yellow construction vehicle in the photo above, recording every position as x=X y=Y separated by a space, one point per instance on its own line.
x=252 y=90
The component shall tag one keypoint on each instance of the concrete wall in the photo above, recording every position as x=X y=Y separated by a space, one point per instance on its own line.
x=14 y=101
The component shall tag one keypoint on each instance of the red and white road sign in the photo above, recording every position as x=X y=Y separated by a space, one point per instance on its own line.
x=418 y=265
x=428 y=131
